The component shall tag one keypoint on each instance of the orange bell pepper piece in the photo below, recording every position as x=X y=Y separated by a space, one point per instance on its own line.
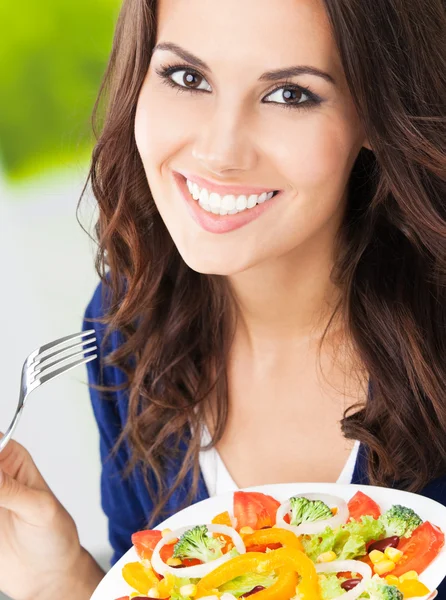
x=224 y=519
x=287 y=561
x=273 y=535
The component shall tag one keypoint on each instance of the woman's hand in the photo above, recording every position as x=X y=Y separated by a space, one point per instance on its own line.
x=40 y=552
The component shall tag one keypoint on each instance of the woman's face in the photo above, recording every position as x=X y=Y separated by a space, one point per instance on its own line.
x=231 y=109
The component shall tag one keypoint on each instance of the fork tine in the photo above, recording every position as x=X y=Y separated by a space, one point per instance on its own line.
x=45 y=378
x=62 y=340
x=34 y=372
x=39 y=360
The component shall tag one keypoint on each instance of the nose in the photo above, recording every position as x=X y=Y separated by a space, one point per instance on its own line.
x=224 y=143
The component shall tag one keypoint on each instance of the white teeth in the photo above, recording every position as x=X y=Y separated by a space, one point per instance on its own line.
x=241 y=203
x=214 y=200
x=252 y=201
x=195 y=191
x=204 y=197
x=228 y=204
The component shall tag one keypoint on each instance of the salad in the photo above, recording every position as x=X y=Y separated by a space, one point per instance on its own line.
x=310 y=547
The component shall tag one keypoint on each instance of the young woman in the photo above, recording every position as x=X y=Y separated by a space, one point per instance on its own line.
x=271 y=181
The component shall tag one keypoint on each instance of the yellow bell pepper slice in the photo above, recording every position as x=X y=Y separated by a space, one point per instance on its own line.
x=273 y=535
x=284 y=560
x=412 y=588
x=139 y=577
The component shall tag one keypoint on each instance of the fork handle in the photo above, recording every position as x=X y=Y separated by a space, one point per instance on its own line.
x=8 y=435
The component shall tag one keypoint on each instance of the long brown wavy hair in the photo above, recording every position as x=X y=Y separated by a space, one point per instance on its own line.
x=390 y=267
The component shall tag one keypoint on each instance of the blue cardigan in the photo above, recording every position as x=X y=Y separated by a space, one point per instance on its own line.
x=127 y=503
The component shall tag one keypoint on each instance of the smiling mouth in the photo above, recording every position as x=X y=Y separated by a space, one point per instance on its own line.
x=228 y=204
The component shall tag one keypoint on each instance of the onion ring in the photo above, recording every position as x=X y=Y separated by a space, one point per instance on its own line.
x=355 y=566
x=198 y=571
x=316 y=526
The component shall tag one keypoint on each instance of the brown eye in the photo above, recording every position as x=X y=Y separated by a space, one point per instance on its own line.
x=189 y=79
x=289 y=95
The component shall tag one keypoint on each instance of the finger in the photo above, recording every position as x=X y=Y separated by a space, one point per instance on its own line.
x=30 y=505
x=17 y=462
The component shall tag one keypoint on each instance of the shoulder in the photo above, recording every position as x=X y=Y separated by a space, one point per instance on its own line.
x=109 y=406
x=436 y=490
x=97 y=308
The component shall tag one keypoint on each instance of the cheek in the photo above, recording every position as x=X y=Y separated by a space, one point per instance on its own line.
x=315 y=152
x=162 y=126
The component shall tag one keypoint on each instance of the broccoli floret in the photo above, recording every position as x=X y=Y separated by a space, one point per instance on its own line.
x=378 y=589
x=305 y=511
x=195 y=543
x=400 y=520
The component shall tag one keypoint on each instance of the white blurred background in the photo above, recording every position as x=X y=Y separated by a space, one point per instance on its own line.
x=47 y=280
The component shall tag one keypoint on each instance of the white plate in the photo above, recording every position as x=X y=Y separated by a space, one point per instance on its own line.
x=113 y=586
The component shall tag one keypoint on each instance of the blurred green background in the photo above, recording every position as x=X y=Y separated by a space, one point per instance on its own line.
x=53 y=54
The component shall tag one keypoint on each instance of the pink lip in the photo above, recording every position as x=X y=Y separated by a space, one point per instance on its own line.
x=219 y=223
x=236 y=190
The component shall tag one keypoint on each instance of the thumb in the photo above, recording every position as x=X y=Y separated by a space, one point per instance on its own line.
x=30 y=505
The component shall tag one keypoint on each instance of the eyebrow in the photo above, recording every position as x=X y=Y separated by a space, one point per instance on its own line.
x=274 y=75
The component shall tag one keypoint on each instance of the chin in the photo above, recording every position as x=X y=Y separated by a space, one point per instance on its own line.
x=213 y=266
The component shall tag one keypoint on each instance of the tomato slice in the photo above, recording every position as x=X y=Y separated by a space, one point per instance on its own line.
x=361 y=504
x=254 y=509
x=420 y=549
x=145 y=542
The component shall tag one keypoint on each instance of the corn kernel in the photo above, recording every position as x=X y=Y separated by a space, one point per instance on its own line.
x=153 y=593
x=165 y=532
x=173 y=562
x=188 y=590
x=376 y=556
x=393 y=554
x=409 y=575
x=326 y=557
x=384 y=566
x=392 y=579
x=246 y=530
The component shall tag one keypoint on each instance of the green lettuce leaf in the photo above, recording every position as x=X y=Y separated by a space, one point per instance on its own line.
x=179 y=582
x=245 y=583
x=330 y=585
x=347 y=541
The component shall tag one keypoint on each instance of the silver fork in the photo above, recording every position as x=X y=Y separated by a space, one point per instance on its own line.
x=37 y=370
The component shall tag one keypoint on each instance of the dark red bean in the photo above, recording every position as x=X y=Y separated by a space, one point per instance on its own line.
x=349 y=584
x=381 y=545
x=258 y=588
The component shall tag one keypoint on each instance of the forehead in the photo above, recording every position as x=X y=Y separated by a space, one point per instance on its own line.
x=251 y=34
